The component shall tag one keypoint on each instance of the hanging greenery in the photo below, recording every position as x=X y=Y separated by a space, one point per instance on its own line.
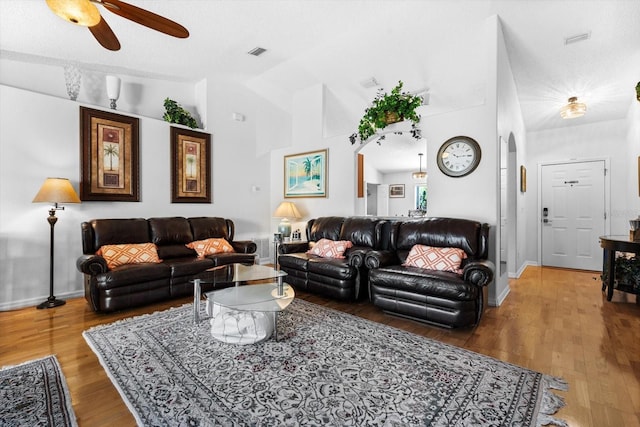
x=638 y=91
x=175 y=113
x=389 y=108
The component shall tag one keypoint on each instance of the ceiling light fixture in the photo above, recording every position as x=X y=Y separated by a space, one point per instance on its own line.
x=420 y=174
x=81 y=12
x=573 y=109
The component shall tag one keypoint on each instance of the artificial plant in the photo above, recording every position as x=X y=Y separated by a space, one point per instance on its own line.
x=388 y=108
x=175 y=113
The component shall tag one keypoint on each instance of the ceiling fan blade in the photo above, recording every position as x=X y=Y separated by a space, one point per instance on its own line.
x=105 y=36
x=146 y=18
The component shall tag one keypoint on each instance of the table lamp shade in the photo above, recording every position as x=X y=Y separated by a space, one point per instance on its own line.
x=285 y=211
x=56 y=190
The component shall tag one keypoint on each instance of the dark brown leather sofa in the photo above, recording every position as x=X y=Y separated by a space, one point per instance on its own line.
x=438 y=297
x=139 y=284
x=339 y=278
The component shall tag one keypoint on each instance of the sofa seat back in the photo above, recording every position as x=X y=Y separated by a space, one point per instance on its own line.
x=470 y=236
x=99 y=232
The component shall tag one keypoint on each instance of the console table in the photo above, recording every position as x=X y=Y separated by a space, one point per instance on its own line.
x=611 y=245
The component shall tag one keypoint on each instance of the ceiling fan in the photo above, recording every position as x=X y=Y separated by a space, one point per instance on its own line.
x=85 y=13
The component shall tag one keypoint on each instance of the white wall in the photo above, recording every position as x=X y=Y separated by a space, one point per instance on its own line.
x=510 y=122
x=580 y=142
x=633 y=144
x=39 y=137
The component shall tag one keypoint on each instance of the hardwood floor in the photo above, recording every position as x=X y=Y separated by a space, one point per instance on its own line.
x=555 y=321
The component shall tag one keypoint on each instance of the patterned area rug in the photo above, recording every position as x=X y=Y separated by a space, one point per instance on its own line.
x=35 y=393
x=329 y=368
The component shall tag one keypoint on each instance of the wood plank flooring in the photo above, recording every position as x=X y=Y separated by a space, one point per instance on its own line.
x=555 y=321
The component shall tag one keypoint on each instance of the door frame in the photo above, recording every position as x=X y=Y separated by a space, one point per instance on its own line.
x=607 y=194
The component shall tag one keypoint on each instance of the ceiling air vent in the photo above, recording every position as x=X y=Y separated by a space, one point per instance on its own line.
x=577 y=38
x=257 y=51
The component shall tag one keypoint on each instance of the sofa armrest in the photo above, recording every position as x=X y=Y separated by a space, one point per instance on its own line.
x=377 y=259
x=92 y=264
x=479 y=273
x=293 y=247
x=356 y=256
x=244 y=246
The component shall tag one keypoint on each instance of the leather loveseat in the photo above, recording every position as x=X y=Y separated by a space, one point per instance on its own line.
x=339 y=278
x=444 y=298
x=143 y=283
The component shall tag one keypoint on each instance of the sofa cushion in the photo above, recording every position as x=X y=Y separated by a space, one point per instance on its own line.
x=327 y=227
x=129 y=274
x=206 y=227
x=210 y=246
x=413 y=281
x=336 y=268
x=442 y=232
x=433 y=258
x=170 y=231
x=330 y=249
x=166 y=252
x=360 y=231
x=99 y=232
x=128 y=253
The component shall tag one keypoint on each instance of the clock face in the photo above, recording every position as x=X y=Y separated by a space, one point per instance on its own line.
x=459 y=156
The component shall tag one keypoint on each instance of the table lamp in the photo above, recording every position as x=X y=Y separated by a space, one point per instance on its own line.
x=54 y=190
x=285 y=211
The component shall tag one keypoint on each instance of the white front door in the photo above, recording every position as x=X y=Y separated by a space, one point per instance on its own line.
x=573 y=214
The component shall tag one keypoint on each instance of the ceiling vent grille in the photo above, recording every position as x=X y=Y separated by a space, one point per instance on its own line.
x=577 y=38
x=257 y=51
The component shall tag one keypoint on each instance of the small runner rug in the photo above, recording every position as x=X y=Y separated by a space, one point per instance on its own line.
x=35 y=393
x=328 y=368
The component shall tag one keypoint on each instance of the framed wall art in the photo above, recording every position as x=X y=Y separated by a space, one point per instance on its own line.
x=396 y=190
x=305 y=174
x=190 y=166
x=523 y=179
x=109 y=166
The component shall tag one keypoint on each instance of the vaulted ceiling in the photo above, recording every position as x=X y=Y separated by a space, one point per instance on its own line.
x=340 y=43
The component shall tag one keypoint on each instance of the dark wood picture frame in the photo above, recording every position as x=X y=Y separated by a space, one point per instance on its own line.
x=190 y=166
x=396 y=191
x=109 y=163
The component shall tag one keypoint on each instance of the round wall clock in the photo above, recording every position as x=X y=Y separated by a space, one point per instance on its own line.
x=459 y=156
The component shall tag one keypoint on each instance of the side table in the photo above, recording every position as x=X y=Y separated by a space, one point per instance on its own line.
x=611 y=245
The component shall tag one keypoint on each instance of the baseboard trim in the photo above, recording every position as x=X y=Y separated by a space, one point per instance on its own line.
x=14 y=305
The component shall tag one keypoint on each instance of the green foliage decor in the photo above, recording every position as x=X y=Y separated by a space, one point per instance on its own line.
x=638 y=91
x=175 y=113
x=389 y=108
x=627 y=273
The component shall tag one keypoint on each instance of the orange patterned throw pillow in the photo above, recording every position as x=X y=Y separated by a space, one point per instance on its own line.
x=433 y=258
x=130 y=253
x=330 y=248
x=210 y=246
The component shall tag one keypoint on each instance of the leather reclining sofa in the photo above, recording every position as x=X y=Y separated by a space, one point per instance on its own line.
x=345 y=278
x=140 y=284
x=442 y=298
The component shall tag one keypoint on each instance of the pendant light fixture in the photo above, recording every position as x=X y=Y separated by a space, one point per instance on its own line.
x=573 y=109
x=420 y=174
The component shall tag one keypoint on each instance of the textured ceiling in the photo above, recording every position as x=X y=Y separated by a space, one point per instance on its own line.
x=428 y=44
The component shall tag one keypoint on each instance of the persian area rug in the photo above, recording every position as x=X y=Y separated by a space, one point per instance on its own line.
x=35 y=393
x=329 y=368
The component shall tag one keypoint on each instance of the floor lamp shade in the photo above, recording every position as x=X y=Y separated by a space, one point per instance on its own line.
x=54 y=190
x=286 y=210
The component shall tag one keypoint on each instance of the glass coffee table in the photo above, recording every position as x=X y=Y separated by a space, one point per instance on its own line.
x=237 y=312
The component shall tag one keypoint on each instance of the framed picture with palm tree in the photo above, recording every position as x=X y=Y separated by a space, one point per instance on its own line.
x=191 y=166
x=109 y=166
x=305 y=174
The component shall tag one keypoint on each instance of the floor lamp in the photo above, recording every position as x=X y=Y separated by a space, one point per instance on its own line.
x=54 y=190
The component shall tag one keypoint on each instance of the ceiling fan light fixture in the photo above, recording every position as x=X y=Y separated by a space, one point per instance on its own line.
x=573 y=109
x=81 y=12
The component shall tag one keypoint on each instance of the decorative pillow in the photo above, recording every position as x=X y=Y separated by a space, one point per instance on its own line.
x=210 y=246
x=434 y=258
x=330 y=248
x=129 y=253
